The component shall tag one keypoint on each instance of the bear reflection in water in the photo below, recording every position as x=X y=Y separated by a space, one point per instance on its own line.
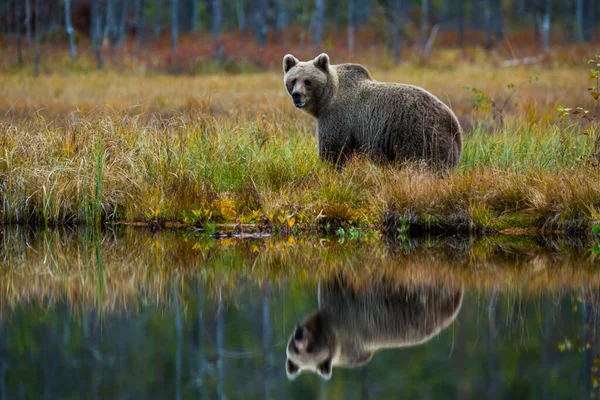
x=355 y=321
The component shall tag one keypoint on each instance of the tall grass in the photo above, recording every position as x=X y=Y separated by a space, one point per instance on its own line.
x=237 y=152
x=136 y=267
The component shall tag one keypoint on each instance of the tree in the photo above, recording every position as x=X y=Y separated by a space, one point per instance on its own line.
x=259 y=25
x=488 y=22
x=424 y=20
x=37 y=37
x=156 y=18
x=28 y=22
x=318 y=29
x=240 y=14
x=351 y=26
x=95 y=32
x=120 y=34
x=174 y=26
x=281 y=15
x=579 y=16
x=217 y=12
x=69 y=28
x=460 y=20
x=195 y=16
x=396 y=26
x=19 y=36
x=546 y=25
x=140 y=23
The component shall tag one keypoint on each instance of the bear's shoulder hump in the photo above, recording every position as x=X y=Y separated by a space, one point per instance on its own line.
x=353 y=72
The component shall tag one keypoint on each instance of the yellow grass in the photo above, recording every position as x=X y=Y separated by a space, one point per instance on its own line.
x=86 y=148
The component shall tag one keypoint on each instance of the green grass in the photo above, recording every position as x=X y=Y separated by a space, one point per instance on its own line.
x=109 y=149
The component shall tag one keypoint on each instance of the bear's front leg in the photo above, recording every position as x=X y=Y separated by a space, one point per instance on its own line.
x=334 y=147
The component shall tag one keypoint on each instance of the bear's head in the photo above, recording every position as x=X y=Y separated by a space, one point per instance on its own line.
x=310 y=348
x=307 y=82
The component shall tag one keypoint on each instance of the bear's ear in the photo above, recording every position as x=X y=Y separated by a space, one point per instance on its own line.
x=324 y=369
x=291 y=369
x=322 y=62
x=289 y=61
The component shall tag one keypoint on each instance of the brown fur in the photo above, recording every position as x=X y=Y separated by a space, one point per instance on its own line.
x=388 y=121
x=353 y=323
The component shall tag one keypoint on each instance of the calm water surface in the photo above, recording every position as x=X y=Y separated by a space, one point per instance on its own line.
x=132 y=314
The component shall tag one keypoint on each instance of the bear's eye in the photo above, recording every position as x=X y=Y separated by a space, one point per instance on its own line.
x=309 y=348
x=293 y=82
x=307 y=82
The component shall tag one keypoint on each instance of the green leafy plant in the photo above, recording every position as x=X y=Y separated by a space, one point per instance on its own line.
x=485 y=103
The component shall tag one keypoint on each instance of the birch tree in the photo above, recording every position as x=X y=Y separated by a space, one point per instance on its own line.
x=69 y=28
x=579 y=23
x=546 y=25
x=195 y=16
x=318 y=28
x=217 y=12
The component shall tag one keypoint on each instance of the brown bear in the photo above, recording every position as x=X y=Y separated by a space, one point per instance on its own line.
x=387 y=121
x=353 y=323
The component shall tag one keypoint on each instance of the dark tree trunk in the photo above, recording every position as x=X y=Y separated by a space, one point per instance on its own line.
x=9 y=24
x=70 y=29
x=567 y=16
x=174 y=26
x=19 y=6
x=95 y=27
x=590 y=19
x=140 y=25
x=217 y=27
x=460 y=18
x=121 y=29
x=498 y=21
x=37 y=37
x=28 y=22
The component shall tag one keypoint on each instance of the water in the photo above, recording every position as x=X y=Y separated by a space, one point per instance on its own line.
x=134 y=314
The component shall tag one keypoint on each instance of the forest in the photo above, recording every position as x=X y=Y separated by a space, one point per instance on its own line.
x=192 y=30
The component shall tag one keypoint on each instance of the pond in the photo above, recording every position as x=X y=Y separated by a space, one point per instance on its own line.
x=130 y=313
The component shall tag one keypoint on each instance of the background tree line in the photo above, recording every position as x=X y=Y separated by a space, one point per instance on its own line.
x=111 y=22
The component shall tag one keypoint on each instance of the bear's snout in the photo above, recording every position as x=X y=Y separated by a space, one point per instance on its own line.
x=297 y=98
x=299 y=334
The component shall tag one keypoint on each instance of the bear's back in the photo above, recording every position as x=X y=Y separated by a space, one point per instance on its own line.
x=351 y=74
x=388 y=315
